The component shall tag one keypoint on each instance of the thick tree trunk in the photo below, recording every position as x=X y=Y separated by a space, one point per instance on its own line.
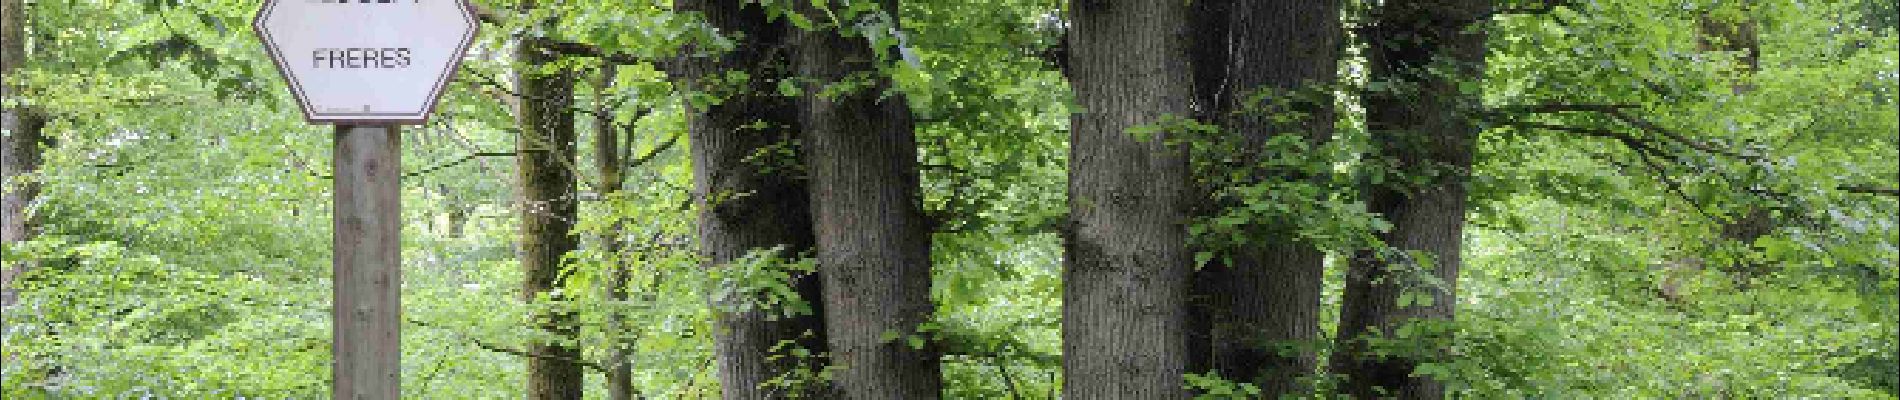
x=20 y=148
x=1269 y=295
x=1426 y=48
x=750 y=204
x=873 y=238
x=546 y=174
x=608 y=166
x=1127 y=265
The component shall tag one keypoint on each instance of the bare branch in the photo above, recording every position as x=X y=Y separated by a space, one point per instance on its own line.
x=1870 y=189
x=458 y=161
x=1537 y=8
x=1644 y=153
x=650 y=155
x=518 y=352
x=1620 y=113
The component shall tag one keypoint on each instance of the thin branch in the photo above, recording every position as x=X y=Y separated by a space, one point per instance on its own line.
x=1009 y=381
x=650 y=155
x=1656 y=173
x=496 y=84
x=1620 y=113
x=563 y=47
x=1541 y=7
x=1631 y=141
x=1673 y=186
x=1652 y=127
x=523 y=353
x=1869 y=189
x=458 y=161
x=1644 y=153
x=517 y=352
x=463 y=140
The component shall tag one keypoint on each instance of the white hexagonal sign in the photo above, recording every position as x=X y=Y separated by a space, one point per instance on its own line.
x=367 y=61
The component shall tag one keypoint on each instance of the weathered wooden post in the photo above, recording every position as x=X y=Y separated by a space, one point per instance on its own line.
x=366 y=318
x=368 y=66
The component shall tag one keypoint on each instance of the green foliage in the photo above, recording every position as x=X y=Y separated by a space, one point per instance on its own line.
x=186 y=226
x=1212 y=387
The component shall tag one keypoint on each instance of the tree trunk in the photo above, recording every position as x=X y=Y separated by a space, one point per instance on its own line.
x=1739 y=36
x=1208 y=30
x=873 y=238
x=608 y=166
x=1734 y=36
x=1425 y=127
x=20 y=148
x=1270 y=293
x=546 y=162
x=1127 y=266
x=751 y=204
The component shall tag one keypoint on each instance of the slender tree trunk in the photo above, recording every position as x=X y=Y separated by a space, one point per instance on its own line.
x=873 y=238
x=1288 y=52
x=1425 y=48
x=608 y=166
x=1127 y=266
x=1739 y=37
x=751 y=204
x=1736 y=36
x=20 y=148
x=546 y=173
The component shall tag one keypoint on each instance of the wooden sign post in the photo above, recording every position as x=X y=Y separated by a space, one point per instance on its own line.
x=368 y=66
x=366 y=321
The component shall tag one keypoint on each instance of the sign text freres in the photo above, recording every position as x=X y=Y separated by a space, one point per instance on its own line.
x=356 y=57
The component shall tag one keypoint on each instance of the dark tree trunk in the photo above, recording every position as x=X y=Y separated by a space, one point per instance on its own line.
x=1269 y=294
x=1208 y=30
x=20 y=149
x=546 y=173
x=608 y=166
x=751 y=204
x=1127 y=265
x=873 y=239
x=1425 y=126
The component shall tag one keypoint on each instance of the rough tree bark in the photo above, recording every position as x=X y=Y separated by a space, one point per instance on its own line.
x=1127 y=265
x=751 y=204
x=1425 y=49
x=1270 y=293
x=545 y=147
x=873 y=238
x=20 y=148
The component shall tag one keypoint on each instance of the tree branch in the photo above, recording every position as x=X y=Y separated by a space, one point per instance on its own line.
x=1620 y=113
x=458 y=161
x=1870 y=189
x=650 y=155
x=1644 y=153
x=1538 y=8
x=518 y=352
x=564 y=47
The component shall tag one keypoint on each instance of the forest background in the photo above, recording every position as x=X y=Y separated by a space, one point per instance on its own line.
x=1655 y=199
